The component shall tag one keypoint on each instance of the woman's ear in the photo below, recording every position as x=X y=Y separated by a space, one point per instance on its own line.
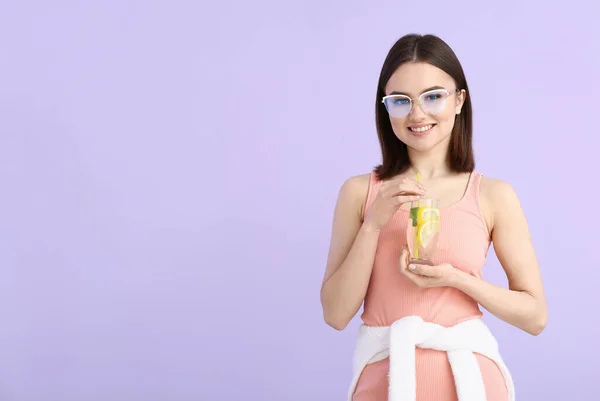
x=460 y=100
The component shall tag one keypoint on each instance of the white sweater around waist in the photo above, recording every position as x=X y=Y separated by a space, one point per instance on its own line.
x=399 y=340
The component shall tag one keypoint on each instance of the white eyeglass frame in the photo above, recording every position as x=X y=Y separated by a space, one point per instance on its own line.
x=419 y=98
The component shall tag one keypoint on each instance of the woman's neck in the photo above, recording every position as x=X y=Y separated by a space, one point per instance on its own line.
x=431 y=164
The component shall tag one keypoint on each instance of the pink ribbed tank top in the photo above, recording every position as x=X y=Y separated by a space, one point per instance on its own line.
x=464 y=242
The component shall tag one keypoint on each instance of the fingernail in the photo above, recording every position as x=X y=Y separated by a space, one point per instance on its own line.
x=412 y=267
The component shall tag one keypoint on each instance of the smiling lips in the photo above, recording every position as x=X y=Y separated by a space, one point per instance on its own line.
x=420 y=128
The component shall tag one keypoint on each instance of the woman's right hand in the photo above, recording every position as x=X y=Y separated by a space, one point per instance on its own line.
x=392 y=194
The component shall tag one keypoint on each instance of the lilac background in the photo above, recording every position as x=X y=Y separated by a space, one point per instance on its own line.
x=169 y=169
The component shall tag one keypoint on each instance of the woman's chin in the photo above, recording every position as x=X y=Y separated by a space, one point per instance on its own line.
x=422 y=145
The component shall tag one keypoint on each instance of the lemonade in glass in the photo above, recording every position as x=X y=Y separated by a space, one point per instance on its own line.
x=423 y=230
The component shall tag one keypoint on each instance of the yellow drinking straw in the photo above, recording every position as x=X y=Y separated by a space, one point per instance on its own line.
x=416 y=250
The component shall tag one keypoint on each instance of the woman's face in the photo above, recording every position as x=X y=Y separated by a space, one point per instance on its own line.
x=431 y=118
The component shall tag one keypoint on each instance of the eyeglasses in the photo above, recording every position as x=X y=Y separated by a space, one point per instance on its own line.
x=432 y=102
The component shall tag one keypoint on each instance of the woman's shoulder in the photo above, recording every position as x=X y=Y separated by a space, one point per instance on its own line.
x=496 y=190
x=497 y=196
x=358 y=181
x=355 y=190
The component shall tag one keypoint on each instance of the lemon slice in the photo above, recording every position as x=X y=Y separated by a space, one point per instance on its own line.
x=428 y=214
x=428 y=232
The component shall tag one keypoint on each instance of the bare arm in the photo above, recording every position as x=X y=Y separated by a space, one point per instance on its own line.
x=354 y=243
x=351 y=256
x=523 y=304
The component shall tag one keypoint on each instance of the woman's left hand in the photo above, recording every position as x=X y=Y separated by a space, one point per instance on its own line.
x=424 y=276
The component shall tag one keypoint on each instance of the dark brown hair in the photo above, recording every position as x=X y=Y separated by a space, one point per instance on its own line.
x=432 y=50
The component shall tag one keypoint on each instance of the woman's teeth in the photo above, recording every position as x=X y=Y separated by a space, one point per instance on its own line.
x=422 y=129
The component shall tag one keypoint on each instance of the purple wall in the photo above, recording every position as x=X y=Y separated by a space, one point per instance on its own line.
x=169 y=172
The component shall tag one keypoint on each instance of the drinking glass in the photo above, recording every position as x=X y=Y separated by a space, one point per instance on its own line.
x=423 y=230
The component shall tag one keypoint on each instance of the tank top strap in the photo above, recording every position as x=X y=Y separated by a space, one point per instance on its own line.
x=472 y=197
x=374 y=186
x=473 y=185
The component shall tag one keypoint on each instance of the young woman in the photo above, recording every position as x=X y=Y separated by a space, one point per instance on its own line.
x=424 y=125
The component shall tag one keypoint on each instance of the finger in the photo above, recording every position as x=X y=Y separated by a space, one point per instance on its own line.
x=422 y=270
x=405 y=199
x=406 y=185
x=403 y=259
x=414 y=183
x=418 y=268
x=407 y=190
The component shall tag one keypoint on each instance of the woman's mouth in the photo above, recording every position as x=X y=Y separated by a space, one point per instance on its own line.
x=421 y=129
